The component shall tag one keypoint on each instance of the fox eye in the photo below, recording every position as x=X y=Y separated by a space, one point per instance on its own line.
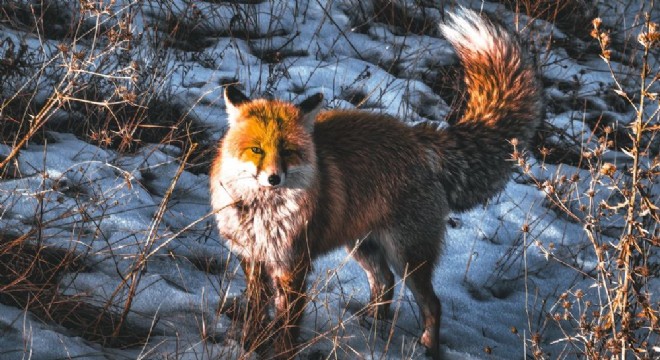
x=257 y=150
x=287 y=152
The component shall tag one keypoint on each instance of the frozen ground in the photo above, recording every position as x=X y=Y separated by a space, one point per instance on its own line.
x=497 y=283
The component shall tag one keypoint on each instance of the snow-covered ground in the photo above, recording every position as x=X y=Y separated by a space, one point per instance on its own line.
x=497 y=283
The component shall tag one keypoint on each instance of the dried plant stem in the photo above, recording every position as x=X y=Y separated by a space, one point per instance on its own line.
x=141 y=261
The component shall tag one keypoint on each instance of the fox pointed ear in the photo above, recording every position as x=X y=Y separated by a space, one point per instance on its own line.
x=233 y=99
x=309 y=108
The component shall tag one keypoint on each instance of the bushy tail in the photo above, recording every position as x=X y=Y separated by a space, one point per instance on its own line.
x=505 y=103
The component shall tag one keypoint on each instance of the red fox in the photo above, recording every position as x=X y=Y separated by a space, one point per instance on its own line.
x=291 y=182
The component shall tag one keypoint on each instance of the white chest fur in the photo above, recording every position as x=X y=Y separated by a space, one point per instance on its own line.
x=261 y=224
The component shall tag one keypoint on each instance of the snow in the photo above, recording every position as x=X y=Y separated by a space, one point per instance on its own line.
x=493 y=278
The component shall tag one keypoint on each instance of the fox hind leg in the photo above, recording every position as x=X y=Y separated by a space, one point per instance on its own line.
x=413 y=257
x=381 y=280
x=420 y=284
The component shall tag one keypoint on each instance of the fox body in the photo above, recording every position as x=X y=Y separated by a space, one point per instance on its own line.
x=292 y=182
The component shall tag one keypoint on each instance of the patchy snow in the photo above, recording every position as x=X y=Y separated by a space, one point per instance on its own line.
x=496 y=282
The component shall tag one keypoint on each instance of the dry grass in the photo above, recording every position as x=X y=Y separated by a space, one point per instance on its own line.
x=616 y=317
x=107 y=97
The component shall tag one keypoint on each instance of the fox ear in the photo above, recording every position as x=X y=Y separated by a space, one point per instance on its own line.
x=310 y=107
x=233 y=99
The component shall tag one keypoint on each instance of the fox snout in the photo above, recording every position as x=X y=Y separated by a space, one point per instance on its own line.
x=271 y=178
x=274 y=179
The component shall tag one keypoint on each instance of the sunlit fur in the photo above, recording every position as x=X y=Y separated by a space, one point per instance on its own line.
x=286 y=147
x=351 y=177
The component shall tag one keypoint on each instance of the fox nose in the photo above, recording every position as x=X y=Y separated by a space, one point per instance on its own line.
x=274 y=179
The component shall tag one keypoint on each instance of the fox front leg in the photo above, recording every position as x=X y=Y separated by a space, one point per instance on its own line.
x=258 y=294
x=290 y=301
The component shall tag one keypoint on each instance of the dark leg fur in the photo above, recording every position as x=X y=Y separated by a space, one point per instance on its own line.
x=420 y=284
x=290 y=301
x=255 y=317
x=381 y=280
x=413 y=247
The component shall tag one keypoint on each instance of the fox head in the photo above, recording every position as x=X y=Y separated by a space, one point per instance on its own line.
x=269 y=142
